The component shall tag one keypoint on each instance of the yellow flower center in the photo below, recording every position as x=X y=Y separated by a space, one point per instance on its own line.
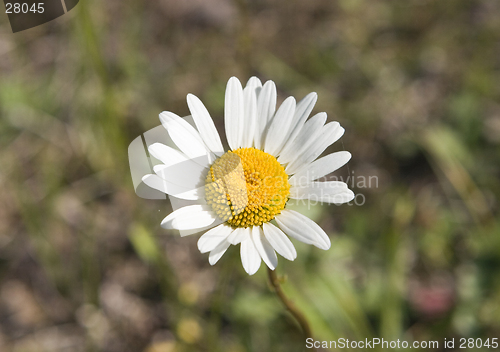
x=247 y=187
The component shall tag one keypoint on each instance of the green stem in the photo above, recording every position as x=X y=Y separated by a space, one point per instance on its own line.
x=290 y=306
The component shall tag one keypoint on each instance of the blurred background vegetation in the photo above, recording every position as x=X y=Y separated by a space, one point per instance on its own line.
x=84 y=264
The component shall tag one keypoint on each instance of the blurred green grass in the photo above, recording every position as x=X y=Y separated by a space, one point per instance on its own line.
x=84 y=264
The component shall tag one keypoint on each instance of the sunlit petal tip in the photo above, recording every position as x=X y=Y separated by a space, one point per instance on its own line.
x=327 y=246
x=250 y=258
x=347 y=196
x=218 y=252
x=347 y=155
x=352 y=195
x=254 y=82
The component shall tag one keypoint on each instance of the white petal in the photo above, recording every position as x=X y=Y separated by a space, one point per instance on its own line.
x=234 y=113
x=185 y=137
x=328 y=192
x=190 y=217
x=239 y=235
x=302 y=228
x=264 y=248
x=307 y=135
x=280 y=127
x=330 y=133
x=156 y=182
x=302 y=111
x=166 y=154
x=320 y=168
x=205 y=125
x=250 y=258
x=217 y=253
x=194 y=194
x=266 y=106
x=254 y=83
x=250 y=120
x=280 y=242
x=213 y=238
x=187 y=174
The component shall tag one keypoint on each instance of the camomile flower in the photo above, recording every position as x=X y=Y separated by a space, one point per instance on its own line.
x=240 y=196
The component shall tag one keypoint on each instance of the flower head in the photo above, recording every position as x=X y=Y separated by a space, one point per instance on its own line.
x=236 y=195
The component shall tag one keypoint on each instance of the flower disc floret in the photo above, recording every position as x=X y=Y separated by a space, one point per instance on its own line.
x=247 y=187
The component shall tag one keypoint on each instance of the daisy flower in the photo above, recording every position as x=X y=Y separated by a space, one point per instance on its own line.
x=240 y=195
